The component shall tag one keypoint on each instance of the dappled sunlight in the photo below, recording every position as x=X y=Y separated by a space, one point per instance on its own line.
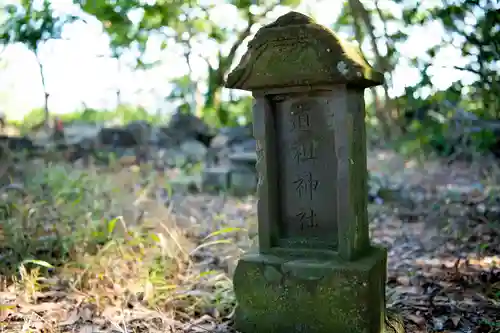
x=486 y=262
x=139 y=266
x=139 y=139
x=160 y=263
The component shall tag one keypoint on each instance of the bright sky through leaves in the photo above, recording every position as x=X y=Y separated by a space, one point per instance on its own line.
x=77 y=72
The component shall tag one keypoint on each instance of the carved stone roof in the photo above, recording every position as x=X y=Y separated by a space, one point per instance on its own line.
x=296 y=51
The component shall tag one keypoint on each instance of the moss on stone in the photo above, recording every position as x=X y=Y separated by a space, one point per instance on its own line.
x=287 y=295
x=296 y=51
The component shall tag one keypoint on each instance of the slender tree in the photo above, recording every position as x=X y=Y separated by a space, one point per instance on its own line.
x=32 y=27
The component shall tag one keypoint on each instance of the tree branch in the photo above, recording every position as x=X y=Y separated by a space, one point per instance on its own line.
x=465 y=69
x=357 y=9
x=226 y=62
x=359 y=12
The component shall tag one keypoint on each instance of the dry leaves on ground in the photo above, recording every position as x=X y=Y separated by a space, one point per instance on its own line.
x=443 y=263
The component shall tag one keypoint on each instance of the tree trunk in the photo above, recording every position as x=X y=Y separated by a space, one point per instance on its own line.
x=217 y=76
x=213 y=97
x=198 y=100
x=118 y=97
x=118 y=71
x=388 y=67
x=214 y=84
x=45 y=93
x=360 y=12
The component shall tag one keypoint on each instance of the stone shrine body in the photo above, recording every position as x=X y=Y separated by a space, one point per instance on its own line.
x=315 y=270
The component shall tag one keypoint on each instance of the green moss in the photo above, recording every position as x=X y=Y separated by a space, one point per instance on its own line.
x=277 y=294
x=296 y=51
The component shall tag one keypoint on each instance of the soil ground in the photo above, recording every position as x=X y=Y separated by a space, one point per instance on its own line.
x=441 y=226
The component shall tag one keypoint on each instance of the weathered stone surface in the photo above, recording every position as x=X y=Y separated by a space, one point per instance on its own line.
x=243 y=182
x=230 y=140
x=315 y=270
x=216 y=179
x=176 y=158
x=295 y=51
x=116 y=137
x=140 y=130
x=245 y=158
x=315 y=149
x=194 y=150
x=228 y=136
x=283 y=294
x=185 y=183
x=243 y=178
x=234 y=149
x=186 y=125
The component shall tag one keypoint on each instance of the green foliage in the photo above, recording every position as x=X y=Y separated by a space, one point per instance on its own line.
x=129 y=113
x=33 y=118
x=33 y=25
x=472 y=26
x=122 y=114
x=239 y=112
x=182 y=23
x=231 y=113
x=123 y=32
x=30 y=26
x=71 y=194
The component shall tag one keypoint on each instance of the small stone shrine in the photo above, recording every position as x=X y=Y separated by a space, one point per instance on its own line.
x=315 y=270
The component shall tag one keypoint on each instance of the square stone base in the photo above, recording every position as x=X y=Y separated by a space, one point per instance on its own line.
x=215 y=179
x=308 y=295
x=243 y=182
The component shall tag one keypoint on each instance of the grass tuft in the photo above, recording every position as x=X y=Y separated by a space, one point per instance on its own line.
x=91 y=244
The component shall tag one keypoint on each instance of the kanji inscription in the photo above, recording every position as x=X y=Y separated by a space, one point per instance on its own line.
x=303 y=152
x=306 y=185
x=300 y=120
x=307 y=219
x=307 y=165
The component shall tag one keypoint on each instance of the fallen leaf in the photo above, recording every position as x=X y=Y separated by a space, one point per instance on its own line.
x=5 y=310
x=42 y=307
x=86 y=314
x=87 y=329
x=420 y=321
x=455 y=320
x=109 y=312
x=40 y=326
x=403 y=280
x=73 y=317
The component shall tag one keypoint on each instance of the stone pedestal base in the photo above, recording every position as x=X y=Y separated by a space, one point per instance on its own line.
x=309 y=295
x=215 y=179
x=243 y=182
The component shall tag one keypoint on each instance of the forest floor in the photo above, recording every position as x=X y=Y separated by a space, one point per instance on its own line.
x=120 y=260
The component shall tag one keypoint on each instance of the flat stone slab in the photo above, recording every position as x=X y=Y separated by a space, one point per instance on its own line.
x=248 y=157
x=185 y=182
x=238 y=181
x=243 y=182
x=216 y=178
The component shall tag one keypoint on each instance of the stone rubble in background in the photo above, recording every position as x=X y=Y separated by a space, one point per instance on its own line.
x=230 y=164
x=227 y=157
x=215 y=160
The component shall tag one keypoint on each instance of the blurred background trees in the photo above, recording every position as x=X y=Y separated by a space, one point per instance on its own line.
x=32 y=25
x=210 y=43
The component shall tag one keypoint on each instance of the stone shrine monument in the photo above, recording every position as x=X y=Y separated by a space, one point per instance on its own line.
x=315 y=270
